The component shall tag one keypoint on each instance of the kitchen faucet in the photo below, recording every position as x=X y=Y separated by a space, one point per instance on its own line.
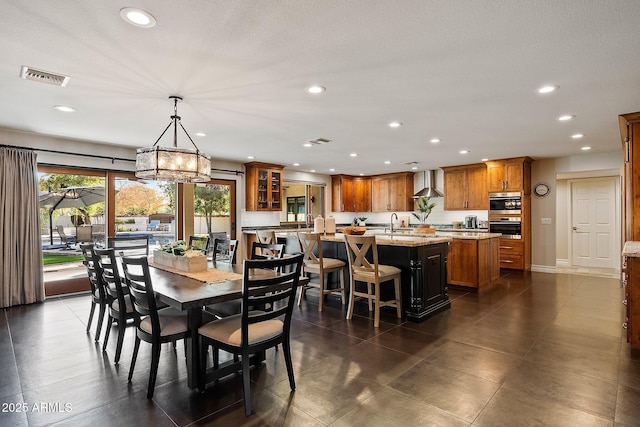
x=391 y=222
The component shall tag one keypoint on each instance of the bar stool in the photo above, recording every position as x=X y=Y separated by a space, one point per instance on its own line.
x=361 y=270
x=315 y=263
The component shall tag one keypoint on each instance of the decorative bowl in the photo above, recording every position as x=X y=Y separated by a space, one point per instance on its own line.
x=358 y=231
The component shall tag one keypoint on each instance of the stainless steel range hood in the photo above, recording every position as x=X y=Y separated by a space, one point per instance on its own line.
x=429 y=189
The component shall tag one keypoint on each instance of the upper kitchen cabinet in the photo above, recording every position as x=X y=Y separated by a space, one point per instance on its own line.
x=263 y=186
x=630 y=132
x=392 y=192
x=350 y=193
x=510 y=174
x=465 y=187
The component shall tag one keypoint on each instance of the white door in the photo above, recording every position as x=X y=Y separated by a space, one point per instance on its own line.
x=593 y=223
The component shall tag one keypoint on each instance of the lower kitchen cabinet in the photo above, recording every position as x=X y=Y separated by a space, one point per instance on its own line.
x=512 y=254
x=473 y=263
x=631 y=269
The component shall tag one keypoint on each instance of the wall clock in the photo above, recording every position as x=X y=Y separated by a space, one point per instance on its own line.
x=541 y=189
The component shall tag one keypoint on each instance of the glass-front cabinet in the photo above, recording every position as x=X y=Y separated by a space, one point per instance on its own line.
x=264 y=187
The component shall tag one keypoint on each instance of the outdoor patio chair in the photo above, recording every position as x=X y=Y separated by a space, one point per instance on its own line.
x=64 y=239
x=153 y=225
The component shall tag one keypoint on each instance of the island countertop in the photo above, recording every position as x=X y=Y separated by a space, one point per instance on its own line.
x=396 y=240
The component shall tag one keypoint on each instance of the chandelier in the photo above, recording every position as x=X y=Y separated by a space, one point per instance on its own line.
x=173 y=163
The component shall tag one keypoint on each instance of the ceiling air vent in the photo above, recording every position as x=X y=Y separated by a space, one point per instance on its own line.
x=36 y=75
x=319 y=141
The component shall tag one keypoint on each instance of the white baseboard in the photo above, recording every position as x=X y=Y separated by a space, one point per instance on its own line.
x=561 y=262
x=544 y=268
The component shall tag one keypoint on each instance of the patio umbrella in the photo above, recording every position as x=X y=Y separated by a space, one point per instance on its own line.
x=70 y=197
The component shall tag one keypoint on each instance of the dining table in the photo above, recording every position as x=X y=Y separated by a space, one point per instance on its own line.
x=190 y=294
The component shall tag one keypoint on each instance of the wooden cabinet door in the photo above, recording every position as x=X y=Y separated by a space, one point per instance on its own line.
x=496 y=176
x=401 y=193
x=362 y=194
x=336 y=194
x=275 y=190
x=455 y=184
x=347 y=195
x=263 y=187
x=477 y=192
x=380 y=194
x=514 y=176
x=462 y=265
x=494 y=259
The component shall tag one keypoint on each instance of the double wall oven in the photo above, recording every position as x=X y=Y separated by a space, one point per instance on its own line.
x=505 y=210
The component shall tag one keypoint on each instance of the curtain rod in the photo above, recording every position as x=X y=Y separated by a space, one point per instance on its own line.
x=97 y=156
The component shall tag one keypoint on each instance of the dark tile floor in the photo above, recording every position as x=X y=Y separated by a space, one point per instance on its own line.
x=537 y=349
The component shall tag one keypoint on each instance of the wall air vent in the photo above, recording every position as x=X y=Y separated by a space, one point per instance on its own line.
x=29 y=73
x=319 y=141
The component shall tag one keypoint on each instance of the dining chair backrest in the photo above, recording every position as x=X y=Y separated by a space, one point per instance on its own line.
x=225 y=247
x=200 y=243
x=110 y=274
x=137 y=277
x=130 y=245
x=266 y=250
x=260 y=290
x=311 y=246
x=90 y=261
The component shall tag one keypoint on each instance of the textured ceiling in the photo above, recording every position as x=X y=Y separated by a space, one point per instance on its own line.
x=463 y=71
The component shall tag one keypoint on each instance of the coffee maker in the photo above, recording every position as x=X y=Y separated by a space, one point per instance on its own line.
x=471 y=221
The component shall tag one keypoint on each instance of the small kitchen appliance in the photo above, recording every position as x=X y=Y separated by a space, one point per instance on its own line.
x=471 y=221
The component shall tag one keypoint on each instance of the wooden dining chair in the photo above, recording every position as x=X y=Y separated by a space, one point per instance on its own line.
x=253 y=331
x=120 y=309
x=130 y=245
x=266 y=236
x=224 y=250
x=152 y=326
x=316 y=263
x=99 y=296
x=373 y=274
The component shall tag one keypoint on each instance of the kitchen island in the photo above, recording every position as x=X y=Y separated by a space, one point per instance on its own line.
x=423 y=262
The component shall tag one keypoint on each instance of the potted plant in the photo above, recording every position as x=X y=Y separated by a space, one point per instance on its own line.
x=360 y=220
x=424 y=206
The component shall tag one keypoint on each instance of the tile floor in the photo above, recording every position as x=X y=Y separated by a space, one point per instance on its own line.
x=537 y=350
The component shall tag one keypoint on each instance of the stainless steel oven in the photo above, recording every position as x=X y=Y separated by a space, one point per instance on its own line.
x=510 y=227
x=505 y=203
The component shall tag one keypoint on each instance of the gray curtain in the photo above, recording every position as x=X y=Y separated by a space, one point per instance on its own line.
x=21 y=274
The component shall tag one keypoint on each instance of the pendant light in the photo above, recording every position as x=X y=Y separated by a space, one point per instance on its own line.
x=173 y=163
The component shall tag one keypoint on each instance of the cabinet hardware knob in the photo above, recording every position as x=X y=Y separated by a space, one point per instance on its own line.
x=624 y=302
x=624 y=325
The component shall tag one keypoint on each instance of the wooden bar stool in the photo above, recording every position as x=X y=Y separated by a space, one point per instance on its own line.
x=314 y=262
x=361 y=270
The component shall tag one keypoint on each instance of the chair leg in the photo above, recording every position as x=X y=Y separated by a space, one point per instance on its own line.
x=302 y=291
x=369 y=299
x=352 y=287
x=286 y=346
x=153 y=372
x=103 y=308
x=396 y=282
x=93 y=308
x=376 y=315
x=246 y=385
x=136 y=347
x=344 y=292
x=107 y=333
x=322 y=294
x=122 y=323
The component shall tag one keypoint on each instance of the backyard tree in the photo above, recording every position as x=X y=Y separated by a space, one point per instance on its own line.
x=137 y=199
x=211 y=199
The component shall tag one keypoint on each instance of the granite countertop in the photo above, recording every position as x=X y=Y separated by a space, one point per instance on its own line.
x=469 y=235
x=396 y=240
x=401 y=235
x=631 y=249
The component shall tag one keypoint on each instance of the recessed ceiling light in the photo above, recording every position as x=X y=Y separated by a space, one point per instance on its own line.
x=316 y=89
x=312 y=170
x=565 y=117
x=307 y=144
x=138 y=17
x=484 y=160
x=395 y=124
x=332 y=170
x=548 y=89
x=201 y=134
x=435 y=140
x=361 y=174
x=354 y=154
x=64 y=109
x=577 y=135
x=413 y=168
x=250 y=157
x=586 y=148
x=296 y=164
x=464 y=151
x=387 y=162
